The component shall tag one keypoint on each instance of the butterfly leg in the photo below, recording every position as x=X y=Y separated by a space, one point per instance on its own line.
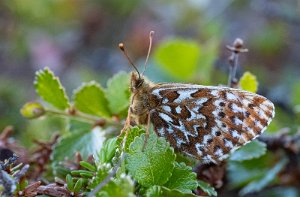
x=147 y=132
x=126 y=125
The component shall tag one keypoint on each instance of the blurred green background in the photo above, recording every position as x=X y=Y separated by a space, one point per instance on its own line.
x=79 y=39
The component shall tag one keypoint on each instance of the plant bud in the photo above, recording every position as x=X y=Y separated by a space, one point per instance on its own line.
x=32 y=110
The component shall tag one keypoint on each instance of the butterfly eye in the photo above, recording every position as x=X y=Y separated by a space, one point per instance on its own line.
x=139 y=83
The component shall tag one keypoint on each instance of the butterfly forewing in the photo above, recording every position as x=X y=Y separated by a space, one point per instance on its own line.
x=208 y=122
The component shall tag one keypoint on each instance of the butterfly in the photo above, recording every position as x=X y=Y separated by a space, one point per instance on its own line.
x=203 y=122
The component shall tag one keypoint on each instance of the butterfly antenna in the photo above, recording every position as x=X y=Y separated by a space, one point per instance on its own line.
x=149 y=50
x=122 y=47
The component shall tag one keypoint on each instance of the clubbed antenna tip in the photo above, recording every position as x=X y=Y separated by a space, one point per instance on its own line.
x=121 y=46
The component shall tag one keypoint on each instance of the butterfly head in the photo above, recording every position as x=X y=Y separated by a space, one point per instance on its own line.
x=136 y=81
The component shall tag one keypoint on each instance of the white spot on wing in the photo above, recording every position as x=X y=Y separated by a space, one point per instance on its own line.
x=184 y=94
x=231 y=96
x=215 y=93
x=258 y=124
x=199 y=102
x=165 y=117
x=161 y=131
x=236 y=108
x=195 y=116
x=214 y=130
x=170 y=130
x=195 y=127
x=156 y=92
x=206 y=138
x=219 y=153
x=262 y=114
x=178 y=109
x=165 y=100
x=223 y=157
x=235 y=134
x=166 y=108
x=209 y=158
x=246 y=102
x=216 y=113
x=179 y=141
x=237 y=121
x=228 y=143
x=198 y=148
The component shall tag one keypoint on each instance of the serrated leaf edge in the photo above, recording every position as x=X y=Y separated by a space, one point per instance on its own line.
x=172 y=151
x=91 y=84
x=61 y=88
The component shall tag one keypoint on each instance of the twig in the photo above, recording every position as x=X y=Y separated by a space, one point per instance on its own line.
x=6 y=133
x=283 y=140
x=235 y=49
x=8 y=183
x=21 y=173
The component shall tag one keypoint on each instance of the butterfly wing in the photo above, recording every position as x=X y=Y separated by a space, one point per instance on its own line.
x=208 y=122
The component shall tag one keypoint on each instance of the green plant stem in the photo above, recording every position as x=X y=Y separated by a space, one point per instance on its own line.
x=77 y=115
x=112 y=173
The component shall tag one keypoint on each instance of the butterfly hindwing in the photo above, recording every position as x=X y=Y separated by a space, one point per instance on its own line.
x=208 y=122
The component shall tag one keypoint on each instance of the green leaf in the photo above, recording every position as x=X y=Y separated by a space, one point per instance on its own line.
x=280 y=191
x=182 y=179
x=82 y=173
x=108 y=150
x=206 y=60
x=270 y=176
x=154 y=191
x=132 y=133
x=23 y=184
x=75 y=126
x=207 y=188
x=296 y=93
x=241 y=173
x=102 y=172
x=178 y=57
x=88 y=166
x=117 y=92
x=87 y=175
x=121 y=187
x=70 y=183
x=78 y=185
x=251 y=150
x=89 y=98
x=154 y=164
x=85 y=141
x=161 y=191
x=269 y=40
x=248 y=82
x=48 y=86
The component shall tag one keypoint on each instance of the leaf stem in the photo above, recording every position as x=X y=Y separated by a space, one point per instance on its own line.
x=77 y=115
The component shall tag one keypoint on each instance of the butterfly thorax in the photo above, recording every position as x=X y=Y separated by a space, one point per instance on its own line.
x=141 y=100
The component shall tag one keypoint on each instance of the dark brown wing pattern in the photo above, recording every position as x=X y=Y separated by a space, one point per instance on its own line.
x=208 y=122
